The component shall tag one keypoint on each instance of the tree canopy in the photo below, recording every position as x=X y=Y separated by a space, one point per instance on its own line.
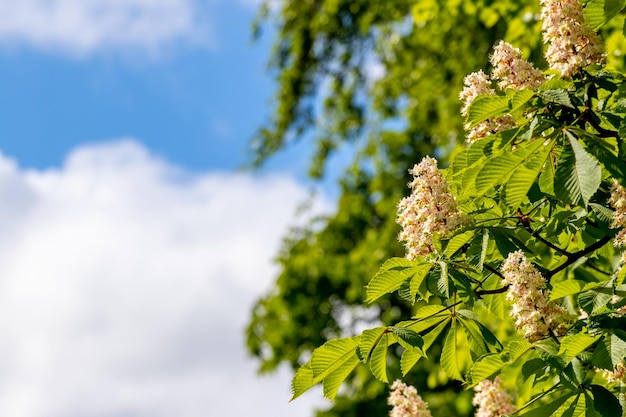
x=386 y=77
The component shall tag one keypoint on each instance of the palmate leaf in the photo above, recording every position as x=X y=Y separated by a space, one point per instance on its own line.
x=375 y=343
x=333 y=360
x=578 y=174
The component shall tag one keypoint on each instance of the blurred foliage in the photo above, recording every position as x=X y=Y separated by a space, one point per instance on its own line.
x=383 y=77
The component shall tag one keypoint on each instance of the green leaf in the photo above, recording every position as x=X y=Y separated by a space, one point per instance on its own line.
x=610 y=351
x=546 y=179
x=486 y=107
x=409 y=336
x=333 y=381
x=520 y=98
x=449 y=358
x=548 y=410
x=578 y=174
x=457 y=242
x=411 y=356
x=576 y=408
x=443 y=284
x=573 y=345
x=332 y=356
x=396 y=263
x=302 y=381
x=599 y=12
x=369 y=339
x=378 y=360
x=524 y=177
x=605 y=214
x=409 y=359
x=390 y=278
x=594 y=13
x=605 y=402
x=569 y=287
x=415 y=286
x=533 y=367
x=485 y=367
x=596 y=299
x=558 y=96
x=514 y=350
x=499 y=168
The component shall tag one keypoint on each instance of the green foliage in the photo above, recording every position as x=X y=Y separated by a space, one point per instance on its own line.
x=540 y=188
x=550 y=185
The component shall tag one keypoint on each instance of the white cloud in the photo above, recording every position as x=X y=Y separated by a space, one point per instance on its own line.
x=85 y=26
x=125 y=284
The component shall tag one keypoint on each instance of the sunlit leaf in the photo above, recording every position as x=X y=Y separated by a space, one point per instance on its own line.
x=578 y=174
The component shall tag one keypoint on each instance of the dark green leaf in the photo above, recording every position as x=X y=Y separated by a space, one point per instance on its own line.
x=409 y=336
x=559 y=96
x=532 y=367
x=605 y=402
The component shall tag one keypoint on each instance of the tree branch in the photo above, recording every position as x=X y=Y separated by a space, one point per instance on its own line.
x=480 y=293
x=577 y=255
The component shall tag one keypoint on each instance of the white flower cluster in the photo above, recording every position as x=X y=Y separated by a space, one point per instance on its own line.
x=616 y=375
x=491 y=399
x=618 y=202
x=572 y=44
x=430 y=209
x=406 y=401
x=534 y=315
x=510 y=70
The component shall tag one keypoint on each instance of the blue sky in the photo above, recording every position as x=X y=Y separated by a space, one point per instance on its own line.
x=194 y=102
x=131 y=248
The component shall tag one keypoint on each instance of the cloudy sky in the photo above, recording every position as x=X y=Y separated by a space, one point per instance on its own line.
x=131 y=246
